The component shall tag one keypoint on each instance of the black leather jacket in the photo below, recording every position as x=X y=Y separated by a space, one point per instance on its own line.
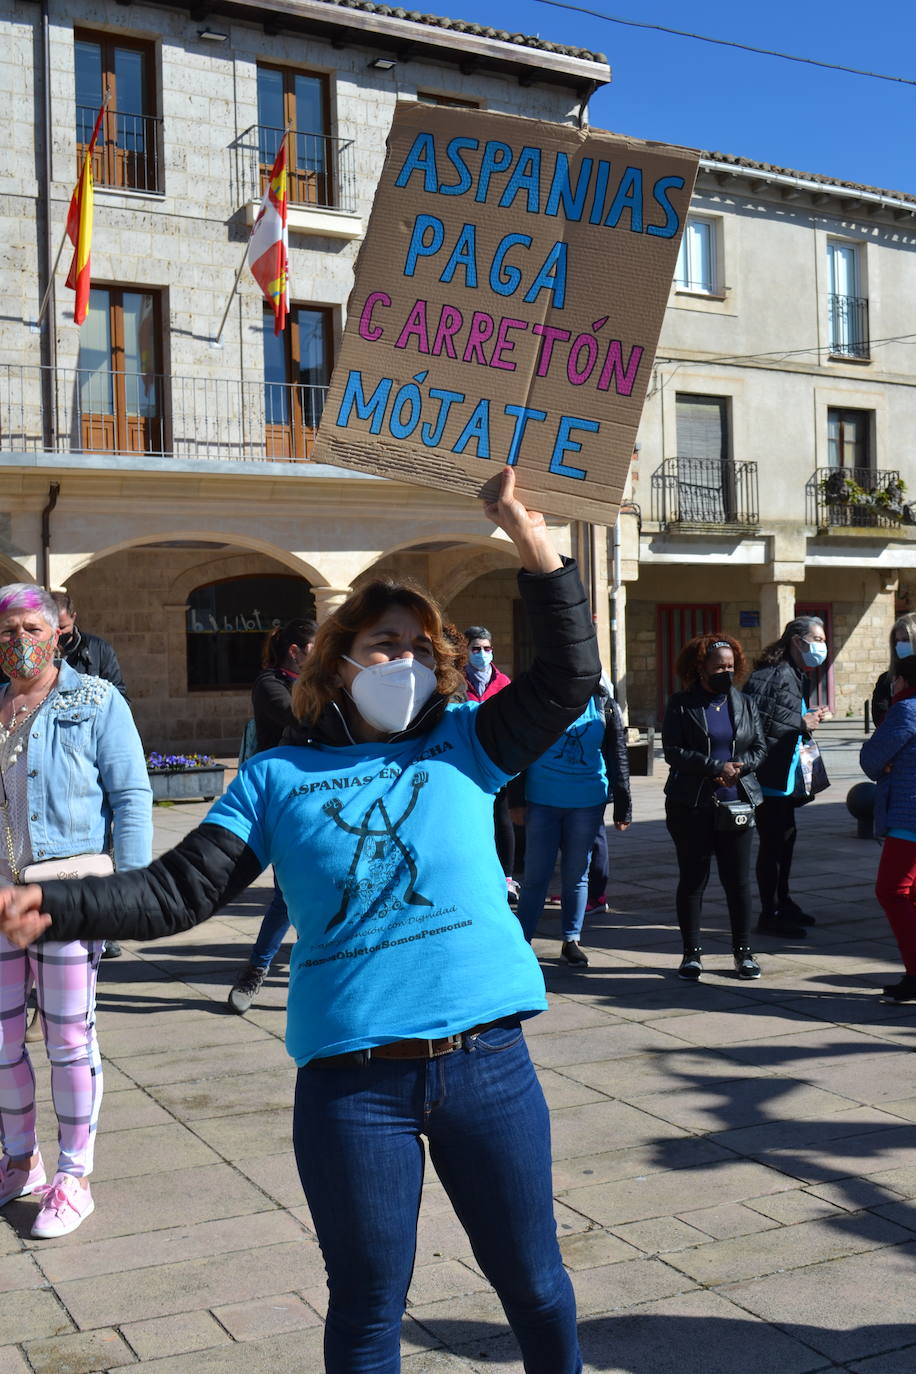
x=685 y=738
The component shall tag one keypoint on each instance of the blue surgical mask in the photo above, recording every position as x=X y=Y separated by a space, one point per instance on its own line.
x=903 y=649
x=480 y=658
x=814 y=653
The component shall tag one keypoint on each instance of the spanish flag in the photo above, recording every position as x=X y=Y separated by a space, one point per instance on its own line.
x=79 y=229
x=268 y=247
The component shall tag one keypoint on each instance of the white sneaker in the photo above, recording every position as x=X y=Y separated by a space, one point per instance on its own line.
x=65 y=1204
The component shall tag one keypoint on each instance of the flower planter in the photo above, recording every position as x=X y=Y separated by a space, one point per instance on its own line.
x=185 y=784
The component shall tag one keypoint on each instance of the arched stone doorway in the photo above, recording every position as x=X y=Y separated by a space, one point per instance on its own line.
x=138 y=598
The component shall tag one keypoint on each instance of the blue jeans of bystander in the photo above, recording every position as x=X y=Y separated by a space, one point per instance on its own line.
x=357 y=1134
x=274 y=925
x=569 y=830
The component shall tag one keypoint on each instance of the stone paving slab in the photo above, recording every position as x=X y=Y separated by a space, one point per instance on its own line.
x=735 y=1173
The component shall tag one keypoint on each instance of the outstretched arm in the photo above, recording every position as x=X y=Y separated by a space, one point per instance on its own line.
x=517 y=724
x=204 y=872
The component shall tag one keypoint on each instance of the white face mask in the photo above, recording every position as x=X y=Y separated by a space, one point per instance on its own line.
x=389 y=695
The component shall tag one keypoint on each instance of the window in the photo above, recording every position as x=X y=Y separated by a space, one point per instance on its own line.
x=297 y=369
x=848 y=438
x=705 y=479
x=847 y=314
x=127 y=149
x=119 y=377
x=300 y=103
x=227 y=623
x=697 y=263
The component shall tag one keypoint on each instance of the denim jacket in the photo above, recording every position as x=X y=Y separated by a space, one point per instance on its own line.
x=87 y=778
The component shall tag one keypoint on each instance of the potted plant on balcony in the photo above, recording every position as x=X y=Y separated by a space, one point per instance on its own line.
x=841 y=491
x=181 y=777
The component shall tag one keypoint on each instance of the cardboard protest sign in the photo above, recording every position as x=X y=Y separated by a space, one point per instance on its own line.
x=508 y=300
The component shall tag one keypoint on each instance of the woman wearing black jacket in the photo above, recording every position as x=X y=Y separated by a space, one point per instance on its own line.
x=780 y=687
x=410 y=976
x=713 y=742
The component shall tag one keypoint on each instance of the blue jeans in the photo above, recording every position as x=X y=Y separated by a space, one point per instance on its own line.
x=571 y=831
x=357 y=1135
x=274 y=925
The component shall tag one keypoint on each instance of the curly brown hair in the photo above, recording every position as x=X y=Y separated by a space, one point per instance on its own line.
x=698 y=649
x=318 y=685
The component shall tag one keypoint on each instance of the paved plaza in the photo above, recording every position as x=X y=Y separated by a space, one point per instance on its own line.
x=735 y=1162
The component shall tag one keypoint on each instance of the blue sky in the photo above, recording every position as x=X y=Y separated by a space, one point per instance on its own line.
x=850 y=127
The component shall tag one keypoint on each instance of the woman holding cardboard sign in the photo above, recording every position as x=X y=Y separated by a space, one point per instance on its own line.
x=410 y=976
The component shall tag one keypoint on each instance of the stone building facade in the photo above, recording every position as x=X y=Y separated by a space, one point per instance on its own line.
x=775 y=472
x=156 y=461
x=153 y=465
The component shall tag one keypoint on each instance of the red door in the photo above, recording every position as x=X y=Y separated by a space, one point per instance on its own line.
x=821 y=693
x=674 y=625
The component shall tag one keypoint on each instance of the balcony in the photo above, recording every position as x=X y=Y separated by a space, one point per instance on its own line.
x=95 y=411
x=705 y=493
x=848 y=327
x=128 y=152
x=856 y=498
x=321 y=171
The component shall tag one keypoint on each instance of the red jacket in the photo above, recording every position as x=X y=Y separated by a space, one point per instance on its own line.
x=497 y=682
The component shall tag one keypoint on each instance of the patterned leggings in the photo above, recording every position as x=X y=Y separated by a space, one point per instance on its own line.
x=64 y=976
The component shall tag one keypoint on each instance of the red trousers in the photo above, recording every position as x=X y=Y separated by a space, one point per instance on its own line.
x=895 y=888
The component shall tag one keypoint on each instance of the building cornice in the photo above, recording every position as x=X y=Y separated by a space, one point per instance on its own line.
x=407 y=34
x=850 y=194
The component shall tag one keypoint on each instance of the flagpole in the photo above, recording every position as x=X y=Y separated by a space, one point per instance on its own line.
x=216 y=343
x=89 y=150
x=235 y=287
x=47 y=295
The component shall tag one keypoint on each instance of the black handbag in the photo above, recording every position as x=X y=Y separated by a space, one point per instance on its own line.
x=734 y=816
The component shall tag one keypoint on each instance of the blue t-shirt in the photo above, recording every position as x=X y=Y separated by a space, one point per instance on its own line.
x=572 y=772
x=721 y=730
x=385 y=855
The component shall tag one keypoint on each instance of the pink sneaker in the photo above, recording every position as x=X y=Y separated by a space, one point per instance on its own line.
x=19 y=1182
x=64 y=1205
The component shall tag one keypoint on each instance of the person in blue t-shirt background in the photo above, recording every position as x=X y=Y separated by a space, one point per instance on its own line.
x=410 y=976
x=565 y=792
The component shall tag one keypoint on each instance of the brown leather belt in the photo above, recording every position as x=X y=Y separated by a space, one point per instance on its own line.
x=407 y=1049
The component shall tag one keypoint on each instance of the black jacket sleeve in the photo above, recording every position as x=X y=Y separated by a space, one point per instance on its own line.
x=678 y=741
x=881 y=699
x=751 y=747
x=617 y=762
x=271 y=702
x=180 y=889
x=517 y=724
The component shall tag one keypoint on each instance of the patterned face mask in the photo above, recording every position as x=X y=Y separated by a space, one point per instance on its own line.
x=24 y=657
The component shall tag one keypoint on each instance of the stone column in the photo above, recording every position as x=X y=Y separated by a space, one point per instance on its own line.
x=328 y=599
x=777 y=608
x=601 y=611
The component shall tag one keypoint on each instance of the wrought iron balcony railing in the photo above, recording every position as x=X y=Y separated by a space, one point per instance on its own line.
x=93 y=410
x=848 y=326
x=128 y=151
x=705 y=492
x=856 y=498
x=321 y=170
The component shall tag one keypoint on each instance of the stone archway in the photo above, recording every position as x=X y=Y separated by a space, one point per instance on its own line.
x=136 y=597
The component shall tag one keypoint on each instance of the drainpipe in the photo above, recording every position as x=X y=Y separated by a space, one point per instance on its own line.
x=48 y=326
x=53 y=493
